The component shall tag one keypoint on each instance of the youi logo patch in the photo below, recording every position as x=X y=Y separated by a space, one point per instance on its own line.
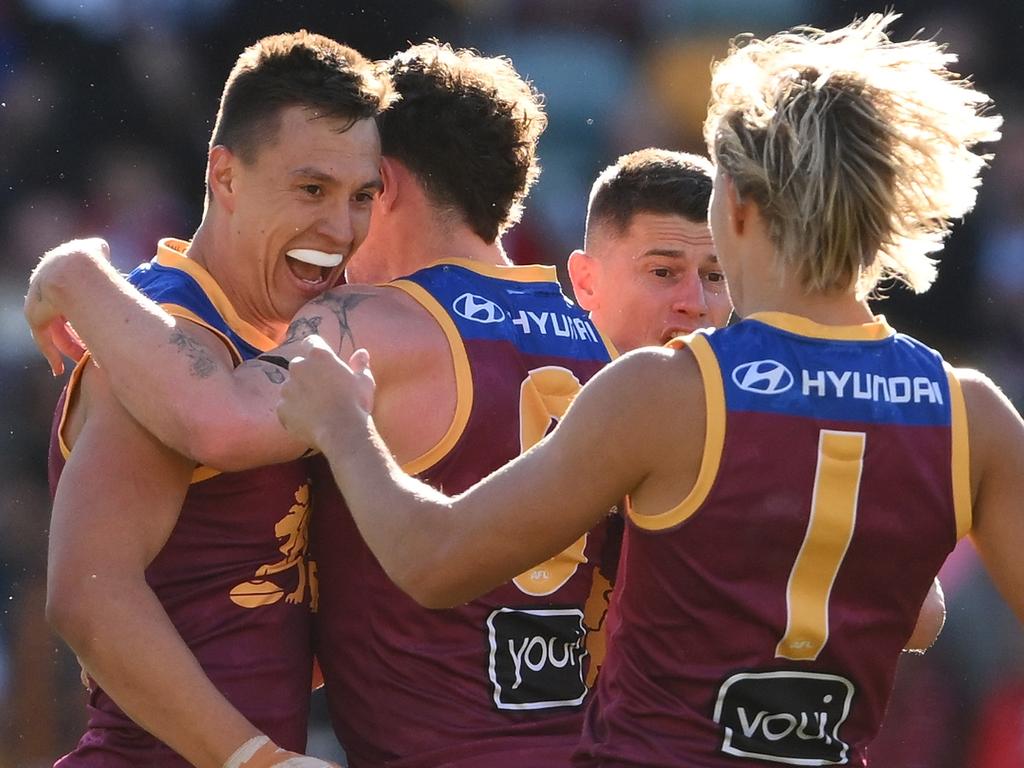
x=765 y=377
x=537 y=657
x=478 y=309
x=789 y=717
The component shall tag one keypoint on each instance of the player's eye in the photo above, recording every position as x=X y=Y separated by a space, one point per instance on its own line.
x=661 y=272
x=314 y=190
x=715 y=277
x=366 y=196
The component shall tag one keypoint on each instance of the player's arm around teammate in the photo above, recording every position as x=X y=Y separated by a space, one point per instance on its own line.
x=234 y=425
x=444 y=550
x=226 y=429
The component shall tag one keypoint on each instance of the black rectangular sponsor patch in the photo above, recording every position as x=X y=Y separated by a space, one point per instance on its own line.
x=786 y=717
x=537 y=657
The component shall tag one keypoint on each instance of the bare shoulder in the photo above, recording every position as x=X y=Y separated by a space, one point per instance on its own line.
x=987 y=406
x=975 y=383
x=332 y=314
x=388 y=322
x=346 y=298
x=995 y=428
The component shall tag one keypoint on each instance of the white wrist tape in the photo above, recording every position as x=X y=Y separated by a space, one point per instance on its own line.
x=246 y=751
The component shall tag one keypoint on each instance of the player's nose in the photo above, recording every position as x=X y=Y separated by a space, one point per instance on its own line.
x=337 y=228
x=689 y=296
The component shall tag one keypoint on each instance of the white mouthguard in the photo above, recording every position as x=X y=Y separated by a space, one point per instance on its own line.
x=318 y=258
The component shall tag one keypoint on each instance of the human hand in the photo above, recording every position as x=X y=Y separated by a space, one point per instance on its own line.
x=261 y=752
x=50 y=330
x=322 y=393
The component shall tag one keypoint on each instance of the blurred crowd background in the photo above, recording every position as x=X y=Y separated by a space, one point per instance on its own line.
x=105 y=110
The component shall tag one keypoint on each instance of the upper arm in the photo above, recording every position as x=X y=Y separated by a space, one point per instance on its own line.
x=223 y=416
x=118 y=499
x=226 y=416
x=173 y=385
x=173 y=374
x=996 y=439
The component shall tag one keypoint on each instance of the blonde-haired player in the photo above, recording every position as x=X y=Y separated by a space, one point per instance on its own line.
x=782 y=532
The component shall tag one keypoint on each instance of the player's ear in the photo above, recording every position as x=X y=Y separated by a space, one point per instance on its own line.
x=736 y=207
x=583 y=274
x=220 y=176
x=389 y=175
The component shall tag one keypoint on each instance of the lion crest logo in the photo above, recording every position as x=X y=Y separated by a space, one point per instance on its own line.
x=293 y=528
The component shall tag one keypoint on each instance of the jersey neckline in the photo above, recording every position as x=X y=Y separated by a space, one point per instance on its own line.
x=876 y=330
x=171 y=253
x=522 y=273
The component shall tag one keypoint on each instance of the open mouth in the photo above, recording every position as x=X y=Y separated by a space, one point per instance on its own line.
x=671 y=333
x=310 y=266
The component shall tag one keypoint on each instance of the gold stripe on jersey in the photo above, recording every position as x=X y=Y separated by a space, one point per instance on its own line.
x=203 y=472
x=613 y=352
x=961 y=461
x=874 y=331
x=714 y=438
x=71 y=394
x=529 y=273
x=171 y=253
x=463 y=377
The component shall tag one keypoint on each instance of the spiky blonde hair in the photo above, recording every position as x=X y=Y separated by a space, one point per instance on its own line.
x=858 y=149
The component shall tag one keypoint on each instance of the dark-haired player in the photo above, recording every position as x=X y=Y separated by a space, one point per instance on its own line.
x=184 y=591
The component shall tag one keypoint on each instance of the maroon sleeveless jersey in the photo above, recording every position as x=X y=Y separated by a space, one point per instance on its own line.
x=233 y=573
x=759 y=622
x=502 y=680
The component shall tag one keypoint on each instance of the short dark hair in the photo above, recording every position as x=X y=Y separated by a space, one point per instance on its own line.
x=651 y=181
x=294 y=69
x=467 y=126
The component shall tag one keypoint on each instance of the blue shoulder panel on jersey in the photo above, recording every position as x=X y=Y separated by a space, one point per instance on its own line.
x=167 y=285
x=895 y=380
x=535 y=316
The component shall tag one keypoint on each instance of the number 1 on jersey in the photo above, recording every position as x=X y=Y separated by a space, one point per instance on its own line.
x=829 y=530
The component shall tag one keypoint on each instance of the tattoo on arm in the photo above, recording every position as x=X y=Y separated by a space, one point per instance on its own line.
x=301 y=328
x=340 y=304
x=273 y=373
x=202 y=364
x=272 y=366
